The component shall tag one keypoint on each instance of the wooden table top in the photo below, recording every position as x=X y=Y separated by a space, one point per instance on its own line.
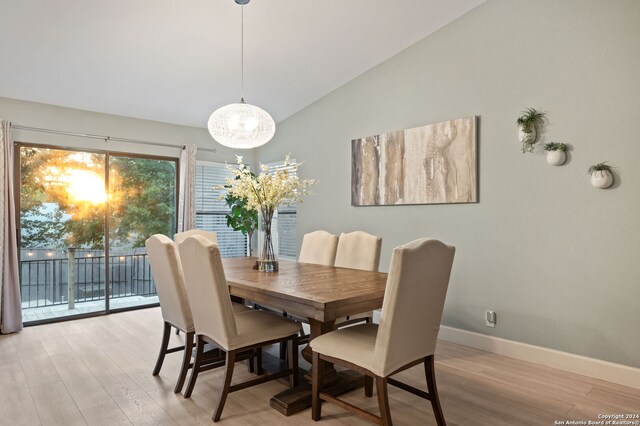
x=315 y=291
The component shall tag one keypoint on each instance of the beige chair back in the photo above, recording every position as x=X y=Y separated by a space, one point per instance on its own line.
x=413 y=303
x=319 y=247
x=358 y=250
x=208 y=291
x=167 y=274
x=209 y=235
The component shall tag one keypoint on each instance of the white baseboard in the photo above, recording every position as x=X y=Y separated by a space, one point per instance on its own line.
x=591 y=367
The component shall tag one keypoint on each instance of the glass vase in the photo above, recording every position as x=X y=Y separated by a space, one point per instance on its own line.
x=268 y=240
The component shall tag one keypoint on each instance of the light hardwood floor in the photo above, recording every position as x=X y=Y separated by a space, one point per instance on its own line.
x=97 y=371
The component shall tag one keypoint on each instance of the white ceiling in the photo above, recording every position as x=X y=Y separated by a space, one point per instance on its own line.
x=178 y=60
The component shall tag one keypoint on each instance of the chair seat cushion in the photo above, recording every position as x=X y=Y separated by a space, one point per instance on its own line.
x=237 y=307
x=185 y=328
x=257 y=326
x=353 y=344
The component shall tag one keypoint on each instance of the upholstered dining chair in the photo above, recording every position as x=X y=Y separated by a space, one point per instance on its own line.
x=358 y=250
x=318 y=247
x=209 y=235
x=409 y=323
x=216 y=322
x=167 y=273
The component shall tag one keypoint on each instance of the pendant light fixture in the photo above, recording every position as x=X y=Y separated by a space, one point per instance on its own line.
x=241 y=125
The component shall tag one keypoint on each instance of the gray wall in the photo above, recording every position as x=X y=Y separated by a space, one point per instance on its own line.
x=556 y=258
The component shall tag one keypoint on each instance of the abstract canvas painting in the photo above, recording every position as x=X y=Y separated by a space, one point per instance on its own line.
x=432 y=164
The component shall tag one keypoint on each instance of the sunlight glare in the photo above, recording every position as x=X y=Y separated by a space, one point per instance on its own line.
x=85 y=185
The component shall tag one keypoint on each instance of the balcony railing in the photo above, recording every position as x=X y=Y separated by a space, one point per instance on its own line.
x=45 y=282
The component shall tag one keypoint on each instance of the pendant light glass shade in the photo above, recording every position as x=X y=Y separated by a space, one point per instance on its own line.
x=241 y=125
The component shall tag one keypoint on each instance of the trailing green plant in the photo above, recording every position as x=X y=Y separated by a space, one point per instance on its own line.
x=553 y=146
x=527 y=122
x=599 y=168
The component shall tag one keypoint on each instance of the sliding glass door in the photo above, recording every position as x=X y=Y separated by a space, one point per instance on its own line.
x=84 y=217
x=142 y=202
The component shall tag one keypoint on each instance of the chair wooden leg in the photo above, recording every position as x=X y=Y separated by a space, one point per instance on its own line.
x=383 y=401
x=228 y=374
x=429 y=370
x=186 y=360
x=293 y=361
x=368 y=386
x=317 y=371
x=196 y=366
x=163 y=348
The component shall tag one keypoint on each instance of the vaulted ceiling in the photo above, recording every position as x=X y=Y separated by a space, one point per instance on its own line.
x=177 y=61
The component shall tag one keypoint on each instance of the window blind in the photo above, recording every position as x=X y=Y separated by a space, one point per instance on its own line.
x=211 y=209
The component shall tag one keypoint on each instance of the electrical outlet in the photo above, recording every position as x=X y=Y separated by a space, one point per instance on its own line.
x=490 y=318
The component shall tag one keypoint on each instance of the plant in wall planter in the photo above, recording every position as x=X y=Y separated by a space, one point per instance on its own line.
x=527 y=133
x=601 y=175
x=556 y=153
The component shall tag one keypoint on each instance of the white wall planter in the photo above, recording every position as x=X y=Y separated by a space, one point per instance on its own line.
x=530 y=119
x=556 y=158
x=601 y=179
x=527 y=138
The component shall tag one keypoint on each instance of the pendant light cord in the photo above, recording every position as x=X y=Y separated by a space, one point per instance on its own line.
x=242 y=53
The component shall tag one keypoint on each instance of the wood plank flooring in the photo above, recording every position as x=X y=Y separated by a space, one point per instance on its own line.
x=97 y=371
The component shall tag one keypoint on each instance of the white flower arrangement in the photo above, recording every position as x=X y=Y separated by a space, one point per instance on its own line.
x=270 y=189
x=264 y=193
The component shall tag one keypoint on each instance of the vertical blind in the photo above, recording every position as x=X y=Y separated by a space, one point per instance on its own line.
x=211 y=209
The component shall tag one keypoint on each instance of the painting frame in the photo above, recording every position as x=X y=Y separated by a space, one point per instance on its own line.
x=430 y=164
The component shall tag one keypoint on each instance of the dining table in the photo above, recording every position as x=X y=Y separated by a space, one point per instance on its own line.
x=319 y=293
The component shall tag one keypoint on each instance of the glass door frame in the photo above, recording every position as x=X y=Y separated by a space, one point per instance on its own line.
x=17 y=145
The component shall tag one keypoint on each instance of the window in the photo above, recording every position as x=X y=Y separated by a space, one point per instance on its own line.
x=84 y=219
x=211 y=209
x=287 y=219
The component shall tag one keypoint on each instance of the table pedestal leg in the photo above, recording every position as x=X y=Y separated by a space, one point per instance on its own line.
x=296 y=399
x=319 y=328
